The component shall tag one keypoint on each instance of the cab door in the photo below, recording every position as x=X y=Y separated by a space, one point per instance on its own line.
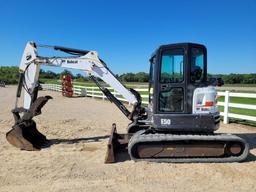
x=172 y=92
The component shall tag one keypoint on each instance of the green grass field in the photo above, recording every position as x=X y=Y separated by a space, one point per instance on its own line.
x=239 y=85
x=241 y=100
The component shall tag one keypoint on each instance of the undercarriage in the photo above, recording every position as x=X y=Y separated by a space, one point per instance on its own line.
x=149 y=145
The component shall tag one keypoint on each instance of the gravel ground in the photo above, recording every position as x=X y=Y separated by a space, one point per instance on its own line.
x=78 y=128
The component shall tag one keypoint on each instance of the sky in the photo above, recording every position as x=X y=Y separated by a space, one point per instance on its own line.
x=125 y=33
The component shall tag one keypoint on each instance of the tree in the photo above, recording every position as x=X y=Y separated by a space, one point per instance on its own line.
x=142 y=77
x=10 y=75
x=66 y=72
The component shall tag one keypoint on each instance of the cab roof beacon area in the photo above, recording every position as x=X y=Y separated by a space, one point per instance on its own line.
x=177 y=125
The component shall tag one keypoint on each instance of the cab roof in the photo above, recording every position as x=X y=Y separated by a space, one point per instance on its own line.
x=173 y=45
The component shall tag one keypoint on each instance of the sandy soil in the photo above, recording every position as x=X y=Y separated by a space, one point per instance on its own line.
x=78 y=128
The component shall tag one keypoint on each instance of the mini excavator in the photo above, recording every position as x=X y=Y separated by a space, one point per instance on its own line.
x=177 y=125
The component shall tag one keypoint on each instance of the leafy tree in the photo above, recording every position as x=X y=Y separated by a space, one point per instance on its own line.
x=10 y=75
x=66 y=72
x=142 y=77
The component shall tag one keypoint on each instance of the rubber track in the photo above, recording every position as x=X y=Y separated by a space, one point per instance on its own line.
x=140 y=137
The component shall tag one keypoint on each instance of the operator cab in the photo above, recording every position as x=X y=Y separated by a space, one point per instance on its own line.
x=176 y=70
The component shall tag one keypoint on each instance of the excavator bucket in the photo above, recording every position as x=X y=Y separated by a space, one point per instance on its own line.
x=117 y=144
x=24 y=134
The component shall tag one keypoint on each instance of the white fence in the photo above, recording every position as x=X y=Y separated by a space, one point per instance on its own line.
x=95 y=92
x=227 y=105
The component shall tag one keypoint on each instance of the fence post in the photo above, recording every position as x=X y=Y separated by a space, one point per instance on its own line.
x=226 y=108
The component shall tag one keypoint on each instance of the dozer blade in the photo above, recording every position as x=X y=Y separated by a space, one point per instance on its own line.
x=116 y=144
x=25 y=136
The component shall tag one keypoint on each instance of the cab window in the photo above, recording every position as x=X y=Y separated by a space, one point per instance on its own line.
x=197 y=65
x=172 y=66
x=151 y=79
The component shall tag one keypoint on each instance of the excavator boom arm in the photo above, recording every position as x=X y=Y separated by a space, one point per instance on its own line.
x=86 y=61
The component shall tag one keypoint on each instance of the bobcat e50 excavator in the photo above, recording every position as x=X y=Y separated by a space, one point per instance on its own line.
x=177 y=126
